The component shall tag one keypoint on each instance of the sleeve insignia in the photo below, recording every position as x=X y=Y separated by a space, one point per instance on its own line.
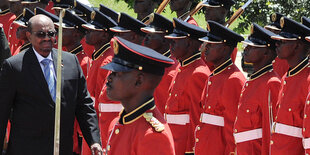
x=158 y=126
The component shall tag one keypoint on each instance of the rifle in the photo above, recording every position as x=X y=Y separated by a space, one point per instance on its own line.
x=194 y=11
x=238 y=13
x=58 y=87
x=160 y=9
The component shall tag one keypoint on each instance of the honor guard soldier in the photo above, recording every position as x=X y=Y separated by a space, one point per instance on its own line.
x=182 y=108
x=140 y=128
x=218 y=10
x=99 y=36
x=287 y=129
x=129 y=28
x=280 y=66
x=4 y=47
x=22 y=29
x=6 y=16
x=182 y=9
x=155 y=39
x=259 y=95
x=220 y=97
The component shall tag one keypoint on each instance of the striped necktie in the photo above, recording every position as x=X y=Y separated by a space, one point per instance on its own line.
x=49 y=77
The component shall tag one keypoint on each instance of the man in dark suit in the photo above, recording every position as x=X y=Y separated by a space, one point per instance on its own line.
x=27 y=87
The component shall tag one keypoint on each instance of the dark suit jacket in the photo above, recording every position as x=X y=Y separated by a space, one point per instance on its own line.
x=5 y=51
x=23 y=89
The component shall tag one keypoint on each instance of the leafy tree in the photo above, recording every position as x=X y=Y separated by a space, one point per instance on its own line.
x=259 y=11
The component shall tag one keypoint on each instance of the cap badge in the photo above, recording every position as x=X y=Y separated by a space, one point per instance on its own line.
x=273 y=17
x=282 y=22
x=58 y=1
x=173 y=24
x=252 y=29
x=115 y=47
x=75 y=3
x=92 y=15
x=24 y=12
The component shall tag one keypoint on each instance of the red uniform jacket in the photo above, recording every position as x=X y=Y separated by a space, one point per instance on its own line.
x=211 y=65
x=108 y=110
x=306 y=124
x=214 y=134
x=286 y=135
x=49 y=7
x=182 y=109
x=23 y=47
x=98 y=57
x=255 y=115
x=161 y=93
x=84 y=60
x=280 y=66
x=87 y=48
x=140 y=132
x=6 y=19
x=14 y=43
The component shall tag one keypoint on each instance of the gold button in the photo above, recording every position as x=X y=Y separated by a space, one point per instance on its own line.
x=173 y=81
x=209 y=83
x=209 y=107
x=197 y=140
x=236 y=118
x=179 y=70
x=166 y=106
x=308 y=102
x=284 y=82
x=289 y=109
x=247 y=110
x=116 y=131
x=282 y=94
x=203 y=106
x=176 y=95
x=108 y=147
x=304 y=129
x=9 y=35
x=169 y=94
x=198 y=128
x=276 y=117
x=228 y=67
x=11 y=28
x=271 y=142
x=305 y=116
x=207 y=95
x=236 y=130
x=99 y=114
x=241 y=95
x=246 y=84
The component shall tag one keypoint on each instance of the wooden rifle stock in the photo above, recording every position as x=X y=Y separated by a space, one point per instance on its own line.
x=235 y=16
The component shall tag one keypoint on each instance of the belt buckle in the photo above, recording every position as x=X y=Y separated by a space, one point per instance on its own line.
x=273 y=127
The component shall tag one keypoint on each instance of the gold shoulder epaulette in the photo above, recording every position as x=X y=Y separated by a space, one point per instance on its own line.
x=158 y=126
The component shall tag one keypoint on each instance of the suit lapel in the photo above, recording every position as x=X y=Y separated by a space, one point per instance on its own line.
x=36 y=71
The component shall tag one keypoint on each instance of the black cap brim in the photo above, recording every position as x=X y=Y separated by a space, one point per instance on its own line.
x=20 y=23
x=175 y=36
x=206 y=4
x=119 y=29
x=278 y=37
x=308 y=38
x=206 y=39
x=92 y=27
x=250 y=43
x=150 y=30
x=271 y=27
x=115 y=67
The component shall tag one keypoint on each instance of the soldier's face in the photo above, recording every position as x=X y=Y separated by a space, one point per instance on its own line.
x=4 y=3
x=253 y=54
x=21 y=33
x=286 y=48
x=94 y=37
x=154 y=41
x=16 y=7
x=215 y=13
x=214 y=52
x=121 y=85
x=179 y=48
x=176 y=5
x=67 y=37
x=141 y=6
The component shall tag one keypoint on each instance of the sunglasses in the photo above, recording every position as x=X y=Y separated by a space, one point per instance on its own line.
x=41 y=34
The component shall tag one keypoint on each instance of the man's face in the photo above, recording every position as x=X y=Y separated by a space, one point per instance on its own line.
x=154 y=41
x=286 y=48
x=121 y=85
x=67 y=36
x=141 y=6
x=4 y=3
x=215 y=13
x=21 y=33
x=253 y=54
x=94 y=37
x=179 y=48
x=213 y=51
x=42 y=35
x=176 y=5
x=16 y=7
